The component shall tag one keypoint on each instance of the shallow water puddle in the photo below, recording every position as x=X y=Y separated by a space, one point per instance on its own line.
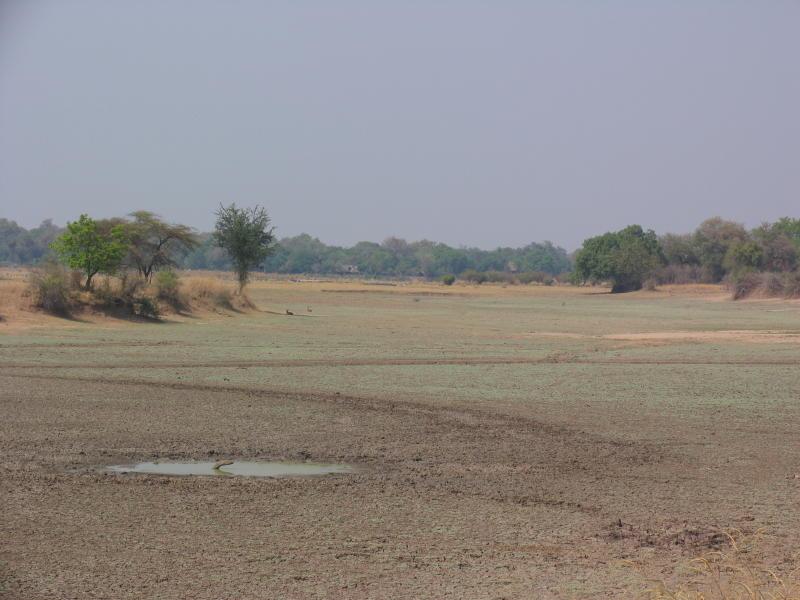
x=242 y=469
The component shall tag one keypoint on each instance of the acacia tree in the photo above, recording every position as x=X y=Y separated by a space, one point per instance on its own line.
x=625 y=258
x=154 y=243
x=90 y=248
x=246 y=235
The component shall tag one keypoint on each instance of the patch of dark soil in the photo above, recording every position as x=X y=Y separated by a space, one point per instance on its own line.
x=691 y=539
x=697 y=538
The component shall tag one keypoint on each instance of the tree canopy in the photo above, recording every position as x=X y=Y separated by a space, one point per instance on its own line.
x=155 y=244
x=246 y=235
x=22 y=246
x=625 y=258
x=92 y=247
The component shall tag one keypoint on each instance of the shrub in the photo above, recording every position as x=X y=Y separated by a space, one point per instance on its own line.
x=50 y=290
x=474 y=276
x=448 y=279
x=144 y=306
x=534 y=277
x=75 y=279
x=125 y=295
x=650 y=284
x=773 y=284
x=745 y=285
x=677 y=274
x=167 y=283
x=499 y=277
x=791 y=285
x=105 y=295
x=168 y=289
x=112 y=293
x=130 y=286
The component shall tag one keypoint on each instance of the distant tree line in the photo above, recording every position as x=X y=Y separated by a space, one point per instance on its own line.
x=292 y=255
x=394 y=257
x=20 y=246
x=397 y=257
x=717 y=250
x=627 y=259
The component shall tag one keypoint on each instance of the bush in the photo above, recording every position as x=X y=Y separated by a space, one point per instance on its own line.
x=791 y=285
x=167 y=283
x=677 y=274
x=480 y=277
x=168 y=289
x=448 y=279
x=773 y=284
x=130 y=286
x=105 y=295
x=144 y=306
x=126 y=296
x=499 y=277
x=473 y=276
x=112 y=293
x=75 y=279
x=650 y=284
x=50 y=290
x=745 y=285
x=534 y=277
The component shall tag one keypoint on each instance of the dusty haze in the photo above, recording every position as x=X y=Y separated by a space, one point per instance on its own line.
x=466 y=122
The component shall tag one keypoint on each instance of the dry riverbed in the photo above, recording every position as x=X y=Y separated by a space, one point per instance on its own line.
x=472 y=478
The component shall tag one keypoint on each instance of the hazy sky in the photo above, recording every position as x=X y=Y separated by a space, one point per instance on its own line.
x=478 y=123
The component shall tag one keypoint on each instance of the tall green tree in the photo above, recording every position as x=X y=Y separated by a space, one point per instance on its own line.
x=155 y=244
x=90 y=248
x=713 y=239
x=780 y=242
x=679 y=249
x=246 y=235
x=790 y=228
x=744 y=256
x=625 y=258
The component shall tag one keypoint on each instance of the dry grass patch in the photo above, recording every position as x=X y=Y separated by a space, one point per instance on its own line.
x=27 y=296
x=210 y=292
x=738 y=573
x=13 y=296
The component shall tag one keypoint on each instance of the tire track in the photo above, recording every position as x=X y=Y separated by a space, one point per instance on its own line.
x=452 y=415
x=402 y=362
